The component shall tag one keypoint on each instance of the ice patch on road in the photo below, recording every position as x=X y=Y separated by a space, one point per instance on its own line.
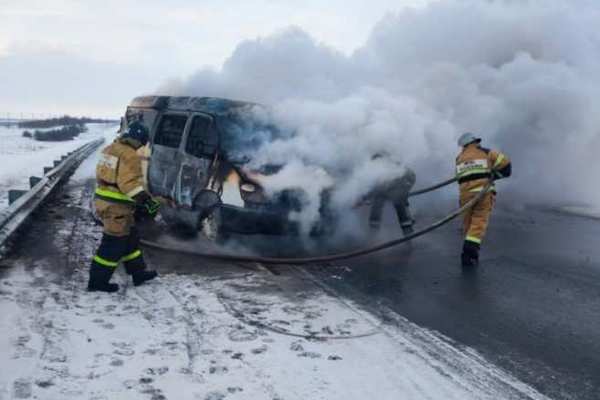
x=234 y=337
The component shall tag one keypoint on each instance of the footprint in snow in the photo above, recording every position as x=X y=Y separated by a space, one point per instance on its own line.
x=116 y=362
x=44 y=384
x=260 y=350
x=309 y=354
x=240 y=334
x=22 y=351
x=21 y=389
x=296 y=346
x=157 y=371
x=214 y=396
x=218 y=370
x=123 y=349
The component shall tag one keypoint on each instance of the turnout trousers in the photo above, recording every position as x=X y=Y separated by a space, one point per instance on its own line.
x=119 y=244
x=475 y=221
x=402 y=212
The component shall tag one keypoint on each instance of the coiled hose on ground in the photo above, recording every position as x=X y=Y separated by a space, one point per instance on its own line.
x=337 y=256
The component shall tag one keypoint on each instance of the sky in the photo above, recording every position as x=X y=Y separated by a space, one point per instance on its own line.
x=92 y=57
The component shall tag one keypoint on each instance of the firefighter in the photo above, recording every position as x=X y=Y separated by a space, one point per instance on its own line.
x=476 y=166
x=119 y=192
x=395 y=191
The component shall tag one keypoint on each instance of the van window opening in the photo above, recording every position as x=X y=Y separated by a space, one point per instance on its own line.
x=202 y=139
x=146 y=116
x=170 y=130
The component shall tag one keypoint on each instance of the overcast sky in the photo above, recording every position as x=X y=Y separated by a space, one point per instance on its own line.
x=92 y=57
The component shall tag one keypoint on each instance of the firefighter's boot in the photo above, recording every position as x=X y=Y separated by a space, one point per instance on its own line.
x=407 y=229
x=136 y=267
x=374 y=226
x=142 y=276
x=470 y=254
x=99 y=277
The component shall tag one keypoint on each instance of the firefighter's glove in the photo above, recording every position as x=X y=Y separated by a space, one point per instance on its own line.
x=146 y=205
x=152 y=206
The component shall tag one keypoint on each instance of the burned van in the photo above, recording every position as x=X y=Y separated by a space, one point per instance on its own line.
x=198 y=159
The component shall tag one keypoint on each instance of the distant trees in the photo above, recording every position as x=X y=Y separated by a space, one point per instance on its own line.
x=56 y=135
x=67 y=128
x=65 y=120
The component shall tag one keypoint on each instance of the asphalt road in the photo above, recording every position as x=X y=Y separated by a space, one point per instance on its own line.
x=532 y=307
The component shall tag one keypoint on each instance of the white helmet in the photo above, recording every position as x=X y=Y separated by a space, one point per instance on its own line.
x=467 y=138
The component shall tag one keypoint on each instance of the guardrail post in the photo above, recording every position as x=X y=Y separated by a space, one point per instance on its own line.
x=56 y=162
x=13 y=195
x=47 y=169
x=34 y=180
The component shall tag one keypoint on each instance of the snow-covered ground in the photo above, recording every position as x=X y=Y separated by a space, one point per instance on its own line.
x=22 y=157
x=209 y=333
x=188 y=337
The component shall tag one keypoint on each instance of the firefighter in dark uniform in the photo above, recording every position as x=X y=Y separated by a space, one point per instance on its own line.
x=119 y=192
x=475 y=167
x=396 y=192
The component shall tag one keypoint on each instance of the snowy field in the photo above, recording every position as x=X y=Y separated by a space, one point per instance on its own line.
x=22 y=157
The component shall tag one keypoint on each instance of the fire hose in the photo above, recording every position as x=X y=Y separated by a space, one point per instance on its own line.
x=337 y=256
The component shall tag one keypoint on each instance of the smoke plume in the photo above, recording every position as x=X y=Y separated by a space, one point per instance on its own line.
x=522 y=74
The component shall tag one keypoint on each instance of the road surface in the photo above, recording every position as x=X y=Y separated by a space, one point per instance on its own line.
x=533 y=306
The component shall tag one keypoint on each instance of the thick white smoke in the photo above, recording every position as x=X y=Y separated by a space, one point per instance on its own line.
x=525 y=75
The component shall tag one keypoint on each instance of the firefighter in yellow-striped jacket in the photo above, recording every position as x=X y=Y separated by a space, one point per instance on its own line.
x=477 y=166
x=119 y=191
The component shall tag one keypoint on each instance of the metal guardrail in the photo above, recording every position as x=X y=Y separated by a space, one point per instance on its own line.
x=23 y=203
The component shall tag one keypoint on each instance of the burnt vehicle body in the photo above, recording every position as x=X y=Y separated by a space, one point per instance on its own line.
x=197 y=157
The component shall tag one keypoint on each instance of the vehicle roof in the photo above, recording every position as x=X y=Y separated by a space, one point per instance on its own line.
x=241 y=133
x=211 y=105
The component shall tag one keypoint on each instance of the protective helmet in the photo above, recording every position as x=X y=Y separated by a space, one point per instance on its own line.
x=468 y=138
x=137 y=131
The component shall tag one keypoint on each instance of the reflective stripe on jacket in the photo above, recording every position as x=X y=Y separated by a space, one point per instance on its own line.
x=475 y=165
x=119 y=173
